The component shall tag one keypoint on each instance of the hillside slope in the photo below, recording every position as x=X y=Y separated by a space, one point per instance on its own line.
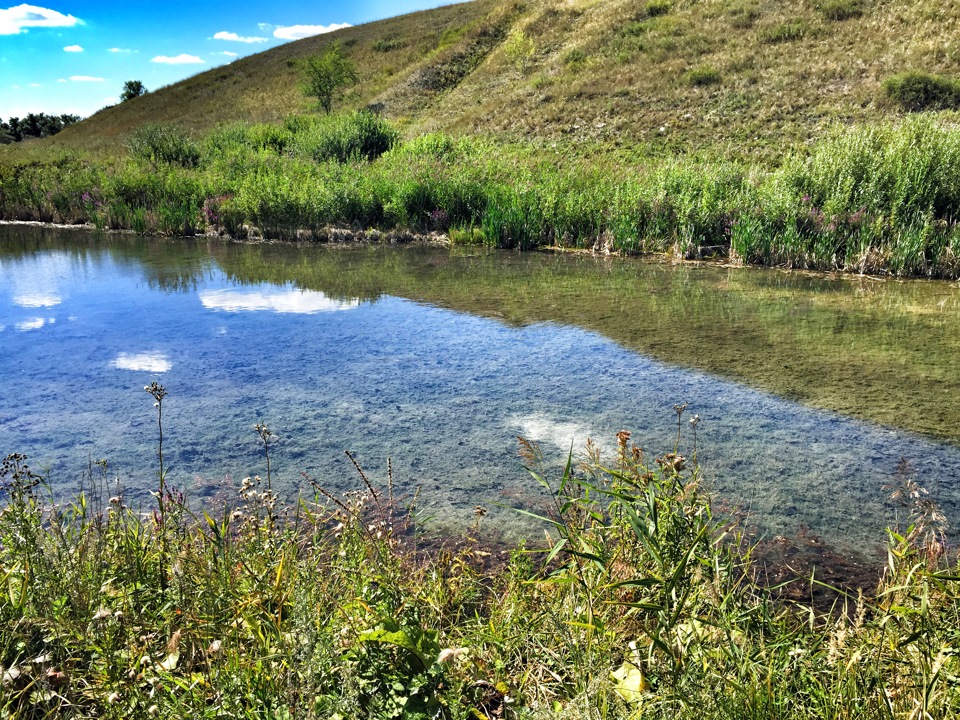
x=730 y=76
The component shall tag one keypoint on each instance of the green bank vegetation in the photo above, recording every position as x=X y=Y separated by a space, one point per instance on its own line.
x=642 y=603
x=866 y=199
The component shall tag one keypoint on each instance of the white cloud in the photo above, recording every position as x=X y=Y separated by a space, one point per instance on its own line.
x=73 y=48
x=34 y=324
x=279 y=301
x=227 y=53
x=296 y=32
x=36 y=84
x=148 y=361
x=543 y=429
x=16 y=20
x=86 y=78
x=38 y=299
x=233 y=37
x=120 y=50
x=265 y=27
x=61 y=79
x=182 y=59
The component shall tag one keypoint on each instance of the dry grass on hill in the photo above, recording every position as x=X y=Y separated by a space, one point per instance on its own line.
x=734 y=78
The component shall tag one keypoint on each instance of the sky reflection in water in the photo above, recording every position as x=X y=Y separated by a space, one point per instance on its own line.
x=443 y=394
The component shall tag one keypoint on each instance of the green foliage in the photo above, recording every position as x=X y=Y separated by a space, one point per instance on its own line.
x=784 y=32
x=916 y=91
x=743 y=14
x=326 y=74
x=702 y=76
x=655 y=8
x=838 y=10
x=384 y=45
x=574 y=58
x=519 y=49
x=360 y=135
x=164 y=145
x=132 y=89
x=642 y=603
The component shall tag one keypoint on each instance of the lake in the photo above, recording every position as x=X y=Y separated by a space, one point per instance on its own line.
x=809 y=388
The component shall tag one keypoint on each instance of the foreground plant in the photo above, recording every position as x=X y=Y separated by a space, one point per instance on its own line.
x=642 y=604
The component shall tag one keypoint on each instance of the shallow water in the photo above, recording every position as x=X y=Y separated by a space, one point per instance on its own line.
x=439 y=359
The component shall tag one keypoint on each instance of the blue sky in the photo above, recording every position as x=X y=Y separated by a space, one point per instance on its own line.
x=73 y=56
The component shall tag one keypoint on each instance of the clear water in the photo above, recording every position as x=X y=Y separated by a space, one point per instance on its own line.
x=438 y=360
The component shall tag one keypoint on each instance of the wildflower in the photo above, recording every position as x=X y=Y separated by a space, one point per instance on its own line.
x=153 y=711
x=101 y=614
x=113 y=698
x=214 y=647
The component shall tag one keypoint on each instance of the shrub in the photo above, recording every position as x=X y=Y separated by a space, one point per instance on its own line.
x=326 y=74
x=164 y=145
x=656 y=7
x=385 y=46
x=519 y=49
x=743 y=15
x=915 y=91
x=784 y=32
x=702 y=76
x=575 y=57
x=358 y=135
x=841 y=9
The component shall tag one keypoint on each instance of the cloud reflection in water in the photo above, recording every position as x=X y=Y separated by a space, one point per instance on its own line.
x=34 y=324
x=146 y=362
x=279 y=301
x=36 y=300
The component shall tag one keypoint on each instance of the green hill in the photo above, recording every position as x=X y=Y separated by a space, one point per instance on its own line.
x=729 y=77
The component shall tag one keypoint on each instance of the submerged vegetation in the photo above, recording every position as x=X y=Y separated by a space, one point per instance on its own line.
x=868 y=199
x=642 y=603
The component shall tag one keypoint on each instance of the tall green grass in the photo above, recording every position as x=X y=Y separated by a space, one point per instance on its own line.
x=642 y=603
x=867 y=199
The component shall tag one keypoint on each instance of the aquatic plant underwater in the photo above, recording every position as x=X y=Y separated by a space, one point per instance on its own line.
x=868 y=199
x=642 y=603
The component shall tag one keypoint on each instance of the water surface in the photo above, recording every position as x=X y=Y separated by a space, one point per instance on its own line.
x=438 y=359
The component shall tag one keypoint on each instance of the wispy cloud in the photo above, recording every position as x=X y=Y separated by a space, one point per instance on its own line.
x=18 y=19
x=266 y=27
x=182 y=59
x=120 y=50
x=296 y=32
x=73 y=48
x=233 y=37
x=86 y=78
x=227 y=53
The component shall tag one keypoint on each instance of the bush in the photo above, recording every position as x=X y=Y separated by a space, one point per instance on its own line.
x=385 y=46
x=655 y=8
x=784 y=32
x=841 y=9
x=743 y=15
x=915 y=91
x=164 y=145
x=702 y=76
x=575 y=57
x=360 y=135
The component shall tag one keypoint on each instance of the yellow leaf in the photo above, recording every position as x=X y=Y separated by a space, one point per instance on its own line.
x=630 y=683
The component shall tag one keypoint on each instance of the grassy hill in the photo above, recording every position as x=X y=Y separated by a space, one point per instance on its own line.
x=733 y=78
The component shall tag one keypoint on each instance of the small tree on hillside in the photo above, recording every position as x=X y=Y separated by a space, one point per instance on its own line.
x=132 y=89
x=327 y=73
